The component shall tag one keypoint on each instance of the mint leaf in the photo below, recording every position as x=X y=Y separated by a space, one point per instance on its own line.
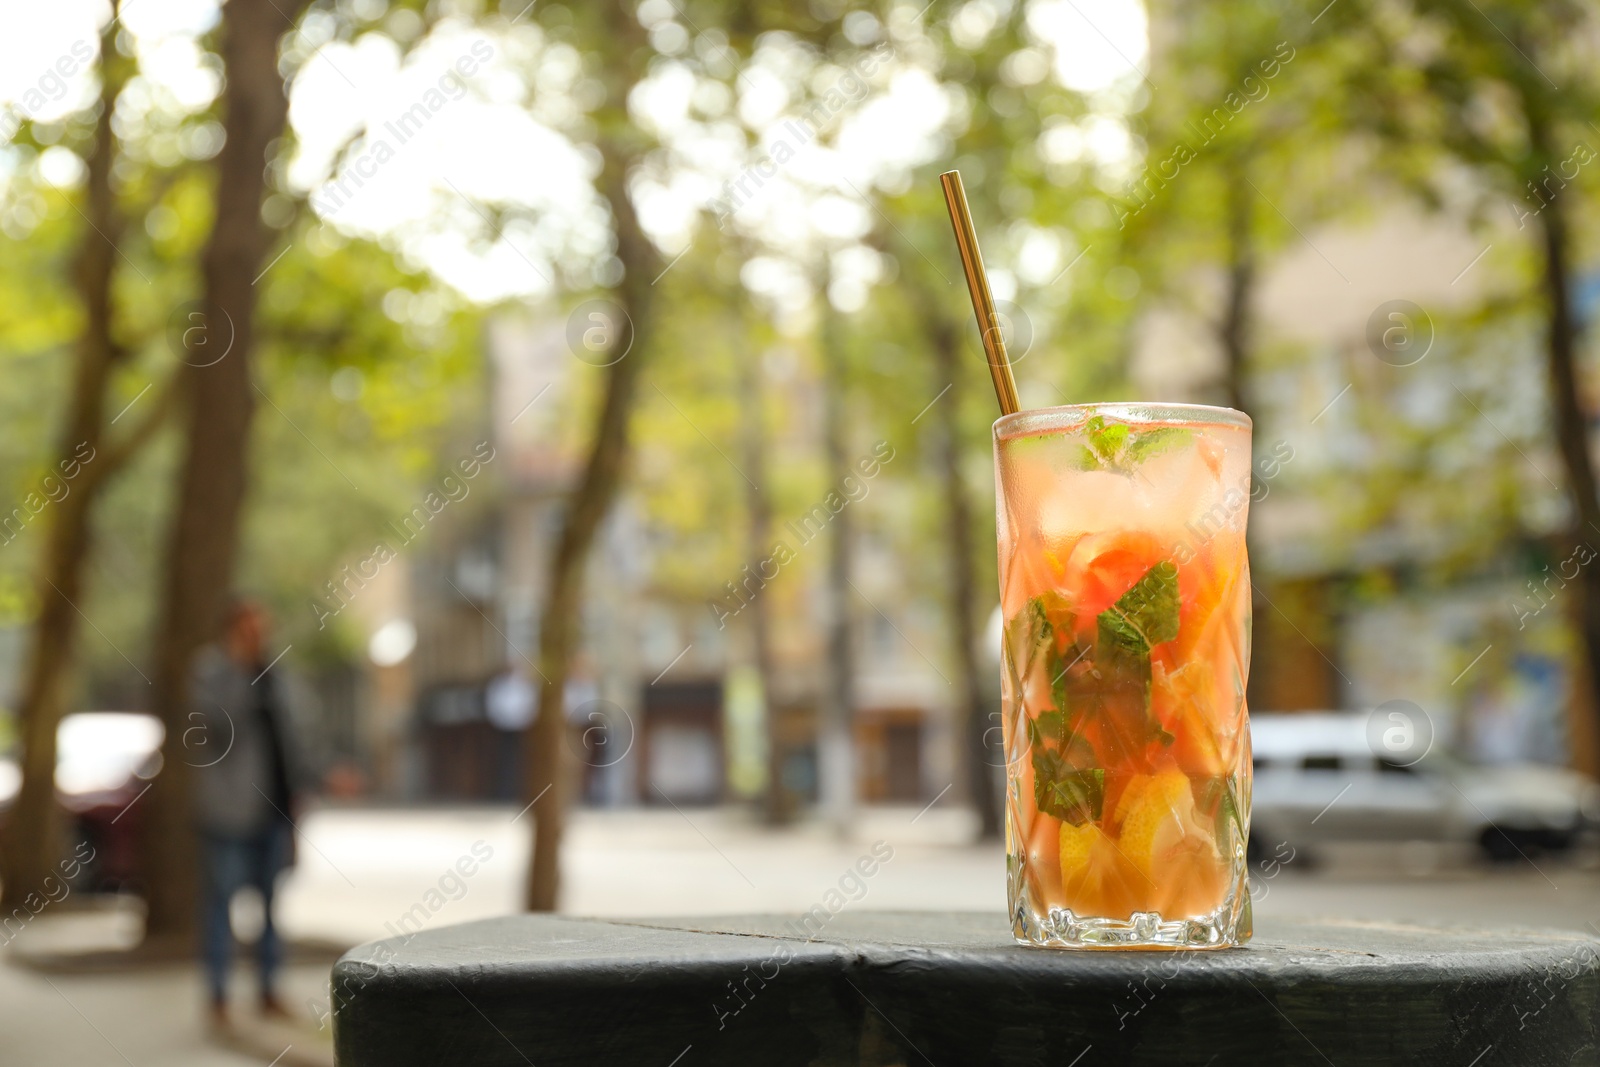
x=1056 y=607
x=1214 y=796
x=1156 y=441
x=1058 y=664
x=1121 y=641
x=1035 y=628
x=1051 y=725
x=1026 y=631
x=1084 y=459
x=1118 y=447
x=1147 y=614
x=1227 y=817
x=1066 y=782
x=1106 y=441
x=1065 y=792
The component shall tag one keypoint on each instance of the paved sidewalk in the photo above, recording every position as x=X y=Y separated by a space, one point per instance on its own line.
x=148 y=1018
x=367 y=872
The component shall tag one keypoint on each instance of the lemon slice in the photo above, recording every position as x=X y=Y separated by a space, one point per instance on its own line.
x=1077 y=850
x=1159 y=821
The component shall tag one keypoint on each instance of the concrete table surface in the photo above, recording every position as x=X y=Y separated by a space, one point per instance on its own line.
x=943 y=989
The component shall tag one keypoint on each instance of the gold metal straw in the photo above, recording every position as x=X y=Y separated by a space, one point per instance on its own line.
x=994 y=345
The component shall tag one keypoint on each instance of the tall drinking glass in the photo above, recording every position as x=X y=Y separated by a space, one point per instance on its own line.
x=1126 y=596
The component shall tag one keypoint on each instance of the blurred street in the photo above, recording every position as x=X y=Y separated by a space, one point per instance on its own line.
x=363 y=871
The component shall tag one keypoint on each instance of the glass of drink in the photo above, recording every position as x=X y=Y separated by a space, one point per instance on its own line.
x=1126 y=596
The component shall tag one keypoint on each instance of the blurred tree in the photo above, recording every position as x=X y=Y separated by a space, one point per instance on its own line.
x=149 y=194
x=620 y=48
x=836 y=763
x=696 y=500
x=218 y=405
x=974 y=725
x=778 y=801
x=340 y=329
x=383 y=369
x=1474 y=85
x=993 y=62
x=624 y=52
x=1250 y=146
x=1234 y=329
x=88 y=460
x=586 y=506
x=1002 y=174
x=1248 y=152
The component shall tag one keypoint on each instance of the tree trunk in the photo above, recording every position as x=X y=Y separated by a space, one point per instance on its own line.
x=1235 y=336
x=590 y=500
x=973 y=713
x=31 y=840
x=1571 y=424
x=777 y=804
x=836 y=740
x=1234 y=329
x=203 y=540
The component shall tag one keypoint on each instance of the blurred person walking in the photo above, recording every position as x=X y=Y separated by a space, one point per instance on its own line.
x=246 y=786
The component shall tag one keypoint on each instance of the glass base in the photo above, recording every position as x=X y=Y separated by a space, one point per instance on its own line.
x=1228 y=927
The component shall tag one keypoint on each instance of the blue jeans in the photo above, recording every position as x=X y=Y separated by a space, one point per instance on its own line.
x=231 y=863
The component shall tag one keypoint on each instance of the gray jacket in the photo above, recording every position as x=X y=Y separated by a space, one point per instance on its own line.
x=226 y=743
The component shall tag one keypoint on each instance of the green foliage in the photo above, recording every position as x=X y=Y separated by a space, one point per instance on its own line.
x=1065 y=784
x=327 y=472
x=1144 y=616
x=1116 y=446
x=1403 y=89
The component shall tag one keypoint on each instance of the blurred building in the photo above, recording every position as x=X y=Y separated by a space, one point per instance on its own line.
x=661 y=705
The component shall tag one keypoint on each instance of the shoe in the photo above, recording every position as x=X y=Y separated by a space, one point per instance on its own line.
x=217 y=1016
x=273 y=1008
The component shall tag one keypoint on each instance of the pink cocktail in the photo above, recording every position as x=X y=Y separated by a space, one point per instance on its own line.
x=1126 y=594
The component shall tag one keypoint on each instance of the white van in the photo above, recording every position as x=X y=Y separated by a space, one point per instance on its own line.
x=1319 y=777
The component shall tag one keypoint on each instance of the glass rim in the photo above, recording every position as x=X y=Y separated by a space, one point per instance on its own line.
x=1068 y=417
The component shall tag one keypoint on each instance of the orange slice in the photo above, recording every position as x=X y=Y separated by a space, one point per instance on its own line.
x=1103 y=566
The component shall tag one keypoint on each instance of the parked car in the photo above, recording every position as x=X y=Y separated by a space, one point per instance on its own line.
x=104 y=763
x=1318 y=778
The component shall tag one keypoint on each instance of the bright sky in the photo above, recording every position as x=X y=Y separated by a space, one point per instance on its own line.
x=475 y=117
